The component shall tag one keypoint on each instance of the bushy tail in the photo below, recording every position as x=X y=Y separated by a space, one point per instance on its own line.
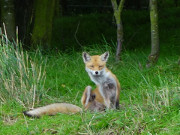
x=53 y=109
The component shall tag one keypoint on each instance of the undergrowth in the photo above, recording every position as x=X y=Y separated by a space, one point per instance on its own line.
x=149 y=99
x=21 y=78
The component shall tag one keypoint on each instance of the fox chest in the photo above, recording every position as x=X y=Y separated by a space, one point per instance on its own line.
x=107 y=85
x=108 y=88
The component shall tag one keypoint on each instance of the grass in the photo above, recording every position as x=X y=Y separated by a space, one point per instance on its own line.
x=22 y=79
x=149 y=99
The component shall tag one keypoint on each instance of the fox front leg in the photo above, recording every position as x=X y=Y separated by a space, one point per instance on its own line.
x=107 y=103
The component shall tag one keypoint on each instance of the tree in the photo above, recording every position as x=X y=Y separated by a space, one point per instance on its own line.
x=153 y=57
x=23 y=14
x=42 y=30
x=117 y=14
x=8 y=18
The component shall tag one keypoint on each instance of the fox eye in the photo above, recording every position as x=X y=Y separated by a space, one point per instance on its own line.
x=100 y=66
x=91 y=66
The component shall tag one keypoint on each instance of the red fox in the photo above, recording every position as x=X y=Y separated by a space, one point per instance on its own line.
x=89 y=100
x=107 y=84
x=92 y=100
x=53 y=109
x=106 y=95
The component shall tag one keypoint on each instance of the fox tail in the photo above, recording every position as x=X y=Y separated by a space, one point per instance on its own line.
x=53 y=109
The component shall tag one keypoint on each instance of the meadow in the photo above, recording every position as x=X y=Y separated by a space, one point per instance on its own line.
x=149 y=99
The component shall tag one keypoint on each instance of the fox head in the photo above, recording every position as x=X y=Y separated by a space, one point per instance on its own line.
x=95 y=65
x=89 y=102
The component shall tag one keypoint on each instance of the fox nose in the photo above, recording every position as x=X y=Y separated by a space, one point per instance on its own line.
x=96 y=72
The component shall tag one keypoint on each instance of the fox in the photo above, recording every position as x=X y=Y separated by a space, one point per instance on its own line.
x=53 y=109
x=107 y=85
x=92 y=100
x=89 y=100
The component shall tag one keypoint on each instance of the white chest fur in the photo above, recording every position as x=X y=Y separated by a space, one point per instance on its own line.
x=99 y=79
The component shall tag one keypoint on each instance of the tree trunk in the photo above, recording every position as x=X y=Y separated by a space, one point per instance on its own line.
x=23 y=14
x=119 y=40
x=8 y=18
x=153 y=57
x=42 y=31
x=117 y=14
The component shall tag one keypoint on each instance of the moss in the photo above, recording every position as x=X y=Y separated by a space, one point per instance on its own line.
x=44 y=12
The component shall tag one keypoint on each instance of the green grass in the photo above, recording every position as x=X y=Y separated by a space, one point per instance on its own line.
x=149 y=99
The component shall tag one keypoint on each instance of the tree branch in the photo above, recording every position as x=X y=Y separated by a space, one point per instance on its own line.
x=114 y=5
x=120 y=7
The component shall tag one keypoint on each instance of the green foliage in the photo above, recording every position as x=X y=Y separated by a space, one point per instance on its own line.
x=85 y=29
x=22 y=80
x=94 y=28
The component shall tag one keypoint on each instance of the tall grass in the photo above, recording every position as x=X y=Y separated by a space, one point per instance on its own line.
x=21 y=78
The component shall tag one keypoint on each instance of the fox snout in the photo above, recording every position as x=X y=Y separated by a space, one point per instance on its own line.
x=96 y=73
x=95 y=65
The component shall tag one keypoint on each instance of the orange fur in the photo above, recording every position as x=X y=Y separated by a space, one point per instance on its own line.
x=93 y=99
x=108 y=86
x=53 y=109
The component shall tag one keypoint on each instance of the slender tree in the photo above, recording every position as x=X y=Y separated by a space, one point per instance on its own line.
x=117 y=8
x=8 y=17
x=42 y=31
x=153 y=57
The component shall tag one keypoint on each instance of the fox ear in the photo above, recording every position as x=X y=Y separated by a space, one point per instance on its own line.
x=86 y=57
x=105 y=56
